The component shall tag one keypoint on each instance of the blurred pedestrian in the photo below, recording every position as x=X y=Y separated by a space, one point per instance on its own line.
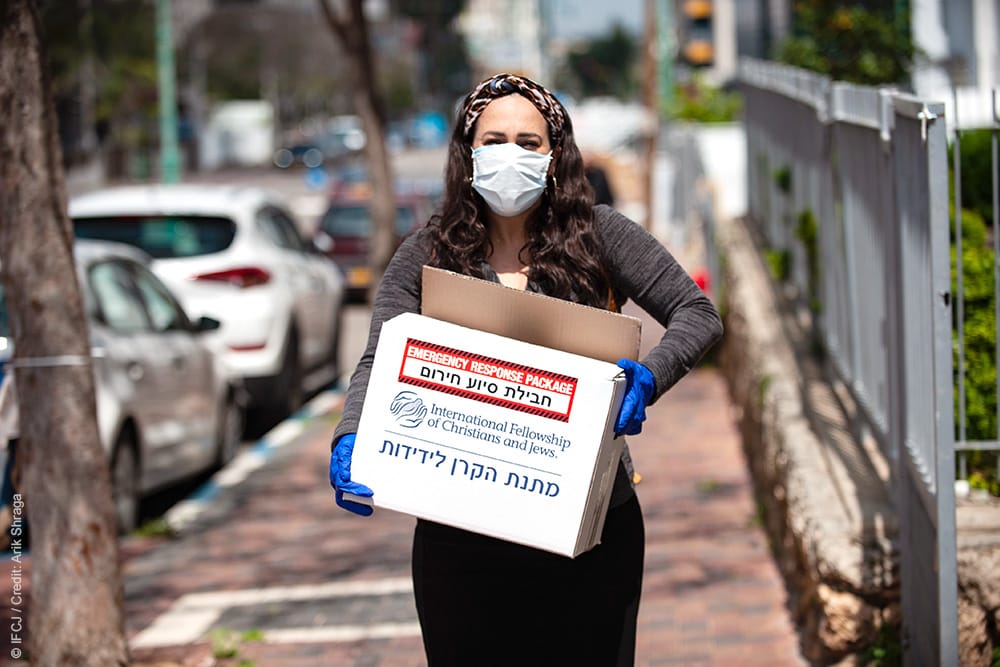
x=518 y=210
x=597 y=176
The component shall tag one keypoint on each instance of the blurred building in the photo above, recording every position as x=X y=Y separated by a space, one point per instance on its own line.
x=761 y=25
x=506 y=36
x=957 y=48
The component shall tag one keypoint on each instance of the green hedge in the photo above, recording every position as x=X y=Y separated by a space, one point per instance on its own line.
x=980 y=345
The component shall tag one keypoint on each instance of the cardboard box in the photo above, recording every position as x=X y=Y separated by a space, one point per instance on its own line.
x=501 y=420
x=532 y=318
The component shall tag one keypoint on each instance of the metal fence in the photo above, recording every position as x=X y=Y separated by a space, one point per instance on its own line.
x=691 y=214
x=848 y=187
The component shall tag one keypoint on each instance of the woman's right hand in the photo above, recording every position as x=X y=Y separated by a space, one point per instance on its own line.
x=340 y=476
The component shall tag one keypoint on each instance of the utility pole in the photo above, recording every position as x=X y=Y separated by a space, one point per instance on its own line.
x=665 y=55
x=650 y=90
x=170 y=171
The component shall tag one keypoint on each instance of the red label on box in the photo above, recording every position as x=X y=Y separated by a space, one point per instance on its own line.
x=488 y=380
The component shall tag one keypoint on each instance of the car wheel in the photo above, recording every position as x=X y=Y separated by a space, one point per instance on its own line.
x=290 y=396
x=125 y=482
x=231 y=423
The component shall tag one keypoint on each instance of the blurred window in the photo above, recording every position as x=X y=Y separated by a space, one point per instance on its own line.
x=4 y=320
x=116 y=298
x=279 y=229
x=162 y=237
x=354 y=220
x=164 y=313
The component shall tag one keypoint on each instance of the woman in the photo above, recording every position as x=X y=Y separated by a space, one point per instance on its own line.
x=518 y=210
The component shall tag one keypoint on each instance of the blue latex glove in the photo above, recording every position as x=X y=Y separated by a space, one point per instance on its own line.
x=639 y=387
x=340 y=476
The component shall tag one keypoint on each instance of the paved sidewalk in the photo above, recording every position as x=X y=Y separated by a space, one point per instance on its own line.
x=712 y=595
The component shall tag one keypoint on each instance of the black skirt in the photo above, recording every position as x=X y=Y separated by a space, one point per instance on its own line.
x=483 y=601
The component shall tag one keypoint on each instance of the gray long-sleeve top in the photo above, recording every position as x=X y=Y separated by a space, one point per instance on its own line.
x=639 y=267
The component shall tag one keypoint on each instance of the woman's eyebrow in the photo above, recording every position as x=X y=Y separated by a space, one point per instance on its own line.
x=529 y=135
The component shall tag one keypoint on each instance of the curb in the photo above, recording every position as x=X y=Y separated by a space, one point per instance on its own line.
x=182 y=516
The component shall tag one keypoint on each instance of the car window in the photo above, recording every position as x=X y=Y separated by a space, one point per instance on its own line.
x=354 y=220
x=164 y=313
x=162 y=237
x=117 y=301
x=4 y=321
x=279 y=229
x=289 y=229
x=405 y=220
x=346 y=221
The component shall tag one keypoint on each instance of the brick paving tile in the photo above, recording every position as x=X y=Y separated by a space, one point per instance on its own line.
x=712 y=594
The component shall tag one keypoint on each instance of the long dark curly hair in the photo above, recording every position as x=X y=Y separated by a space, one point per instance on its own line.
x=562 y=250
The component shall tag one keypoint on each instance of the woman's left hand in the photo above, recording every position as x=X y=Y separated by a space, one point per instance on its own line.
x=639 y=387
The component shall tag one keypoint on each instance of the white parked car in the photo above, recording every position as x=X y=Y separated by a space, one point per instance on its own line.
x=236 y=253
x=167 y=409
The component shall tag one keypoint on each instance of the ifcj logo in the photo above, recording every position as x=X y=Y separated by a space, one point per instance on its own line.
x=408 y=409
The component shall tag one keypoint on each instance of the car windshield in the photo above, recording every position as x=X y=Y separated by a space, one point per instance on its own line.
x=354 y=220
x=162 y=237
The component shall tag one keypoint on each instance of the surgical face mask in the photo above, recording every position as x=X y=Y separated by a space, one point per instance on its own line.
x=509 y=178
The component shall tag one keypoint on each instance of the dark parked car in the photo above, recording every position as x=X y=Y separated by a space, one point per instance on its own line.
x=344 y=234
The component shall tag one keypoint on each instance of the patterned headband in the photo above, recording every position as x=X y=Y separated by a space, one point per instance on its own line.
x=500 y=85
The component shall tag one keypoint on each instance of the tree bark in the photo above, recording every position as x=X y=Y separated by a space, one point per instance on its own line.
x=75 y=615
x=351 y=29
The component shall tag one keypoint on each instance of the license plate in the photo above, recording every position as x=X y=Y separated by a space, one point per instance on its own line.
x=359 y=276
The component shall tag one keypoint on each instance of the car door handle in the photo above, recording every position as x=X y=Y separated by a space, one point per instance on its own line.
x=177 y=362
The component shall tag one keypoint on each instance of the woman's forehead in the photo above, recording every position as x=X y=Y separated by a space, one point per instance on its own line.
x=512 y=112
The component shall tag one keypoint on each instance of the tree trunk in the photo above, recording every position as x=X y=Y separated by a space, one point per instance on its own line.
x=351 y=30
x=75 y=616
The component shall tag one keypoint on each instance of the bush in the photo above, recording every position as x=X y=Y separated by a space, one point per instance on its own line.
x=977 y=181
x=697 y=101
x=850 y=41
x=980 y=341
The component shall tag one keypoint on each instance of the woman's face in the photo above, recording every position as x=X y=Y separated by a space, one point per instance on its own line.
x=512 y=118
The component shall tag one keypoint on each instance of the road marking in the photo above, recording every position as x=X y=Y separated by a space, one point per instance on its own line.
x=341 y=633
x=239 y=468
x=325 y=403
x=193 y=615
x=284 y=433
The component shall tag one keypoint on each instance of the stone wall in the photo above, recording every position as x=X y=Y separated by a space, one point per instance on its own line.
x=979 y=581
x=822 y=488
x=824 y=502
